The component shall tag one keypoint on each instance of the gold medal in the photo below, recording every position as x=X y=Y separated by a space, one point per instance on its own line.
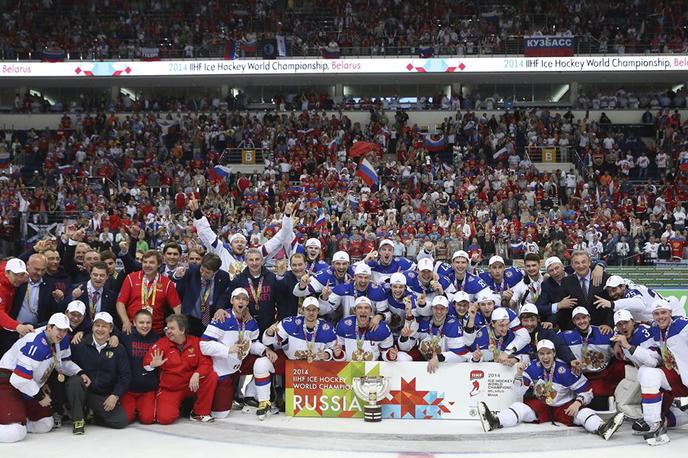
x=61 y=377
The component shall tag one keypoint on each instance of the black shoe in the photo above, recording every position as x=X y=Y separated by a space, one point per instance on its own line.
x=640 y=427
x=657 y=434
x=487 y=418
x=681 y=403
x=609 y=427
x=279 y=400
x=251 y=402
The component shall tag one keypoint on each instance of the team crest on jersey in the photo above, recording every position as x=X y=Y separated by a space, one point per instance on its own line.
x=326 y=327
x=396 y=259
x=411 y=275
x=43 y=341
x=508 y=273
x=109 y=354
x=347 y=322
x=288 y=320
x=561 y=370
x=191 y=350
x=479 y=334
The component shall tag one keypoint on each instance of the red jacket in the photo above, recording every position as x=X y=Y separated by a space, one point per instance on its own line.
x=180 y=366
x=6 y=301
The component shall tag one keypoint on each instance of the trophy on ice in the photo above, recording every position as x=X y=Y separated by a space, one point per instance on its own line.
x=370 y=389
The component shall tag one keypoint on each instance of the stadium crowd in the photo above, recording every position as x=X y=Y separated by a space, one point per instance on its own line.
x=227 y=275
x=126 y=29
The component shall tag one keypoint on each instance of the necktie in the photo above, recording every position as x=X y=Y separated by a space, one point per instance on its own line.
x=584 y=285
x=94 y=302
x=205 y=310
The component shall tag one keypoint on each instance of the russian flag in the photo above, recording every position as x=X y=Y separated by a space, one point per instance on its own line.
x=426 y=52
x=500 y=154
x=367 y=173
x=64 y=169
x=4 y=159
x=231 y=50
x=321 y=221
x=435 y=144
x=222 y=171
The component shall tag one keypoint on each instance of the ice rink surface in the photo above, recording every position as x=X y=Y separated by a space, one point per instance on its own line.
x=279 y=436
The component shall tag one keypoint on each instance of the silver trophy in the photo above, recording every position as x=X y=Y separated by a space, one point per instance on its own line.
x=370 y=389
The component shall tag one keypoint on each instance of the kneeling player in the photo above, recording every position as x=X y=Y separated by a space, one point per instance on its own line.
x=559 y=395
x=298 y=337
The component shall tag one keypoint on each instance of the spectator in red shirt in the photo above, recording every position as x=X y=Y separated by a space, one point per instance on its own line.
x=184 y=372
x=147 y=289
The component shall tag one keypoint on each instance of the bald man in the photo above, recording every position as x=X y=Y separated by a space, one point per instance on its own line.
x=34 y=301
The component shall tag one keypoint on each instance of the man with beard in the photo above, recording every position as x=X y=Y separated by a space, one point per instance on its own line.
x=637 y=299
x=312 y=250
x=426 y=285
x=530 y=320
x=661 y=382
x=596 y=353
x=343 y=298
x=296 y=338
x=231 y=340
x=383 y=263
x=401 y=305
x=233 y=254
x=439 y=338
x=559 y=395
x=528 y=289
x=55 y=273
x=358 y=341
x=322 y=283
x=459 y=277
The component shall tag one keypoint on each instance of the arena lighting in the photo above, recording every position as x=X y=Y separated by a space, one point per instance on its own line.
x=129 y=93
x=678 y=87
x=560 y=93
x=35 y=93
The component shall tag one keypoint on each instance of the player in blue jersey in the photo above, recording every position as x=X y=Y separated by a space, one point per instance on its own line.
x=321 y=283
x=661 y=384
x=297 y=338
x=342 y=300
x=595 y=350
x=426 y=284
x=459 y=277
x=401 y=305
x=487 y=303
x=312 y=249
x=501 y=279
x=497 y=342
x=356 y=341
x=558 y=395
x=383 y=263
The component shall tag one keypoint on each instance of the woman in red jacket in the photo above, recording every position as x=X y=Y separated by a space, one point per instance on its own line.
x=184 y=372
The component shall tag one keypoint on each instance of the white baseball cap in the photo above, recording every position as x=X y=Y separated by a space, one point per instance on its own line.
x=313 y=242
x=362 y=269
x=340 y=256
x=386 y=242
x=397 y=278
x=494 y=259
x=103 y=316
x=237 y=236
x=500 y=313
x=614 y=281
x=425 y=264
x=460 y=254
x=238 y=291
x=307 y=302
x=528 y=308
x=545 y=343
x=552 y=260
x=16 y=266
x=661 y=304
x=440 y=300
x=461 y=296
x=362 y=300
x=60 y=321
x=622 y=315
x=580 y=311
x=76 y=306
x=486 y=295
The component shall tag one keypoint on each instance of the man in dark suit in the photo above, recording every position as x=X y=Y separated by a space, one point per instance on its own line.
x=579 y=285
x=94 y=293
x=287 y=303
x=203 y=289
x=34 y=302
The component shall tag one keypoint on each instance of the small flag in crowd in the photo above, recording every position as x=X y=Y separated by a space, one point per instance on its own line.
x=64 y=169
x=222 y=171
x=426 y=52
x=435 y=144
x=231 y=50
x=321 y=221
x=367 y=173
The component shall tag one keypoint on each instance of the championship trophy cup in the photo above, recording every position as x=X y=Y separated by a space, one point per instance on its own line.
x=370 y=389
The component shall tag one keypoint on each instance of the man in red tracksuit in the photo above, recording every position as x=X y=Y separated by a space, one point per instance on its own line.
x=184 y=372
x=13 y=274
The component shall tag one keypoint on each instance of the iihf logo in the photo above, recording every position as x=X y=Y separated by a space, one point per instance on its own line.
x=475 y=377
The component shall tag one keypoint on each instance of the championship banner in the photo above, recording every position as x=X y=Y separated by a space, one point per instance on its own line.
x=548 y=46
x=325 y=389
